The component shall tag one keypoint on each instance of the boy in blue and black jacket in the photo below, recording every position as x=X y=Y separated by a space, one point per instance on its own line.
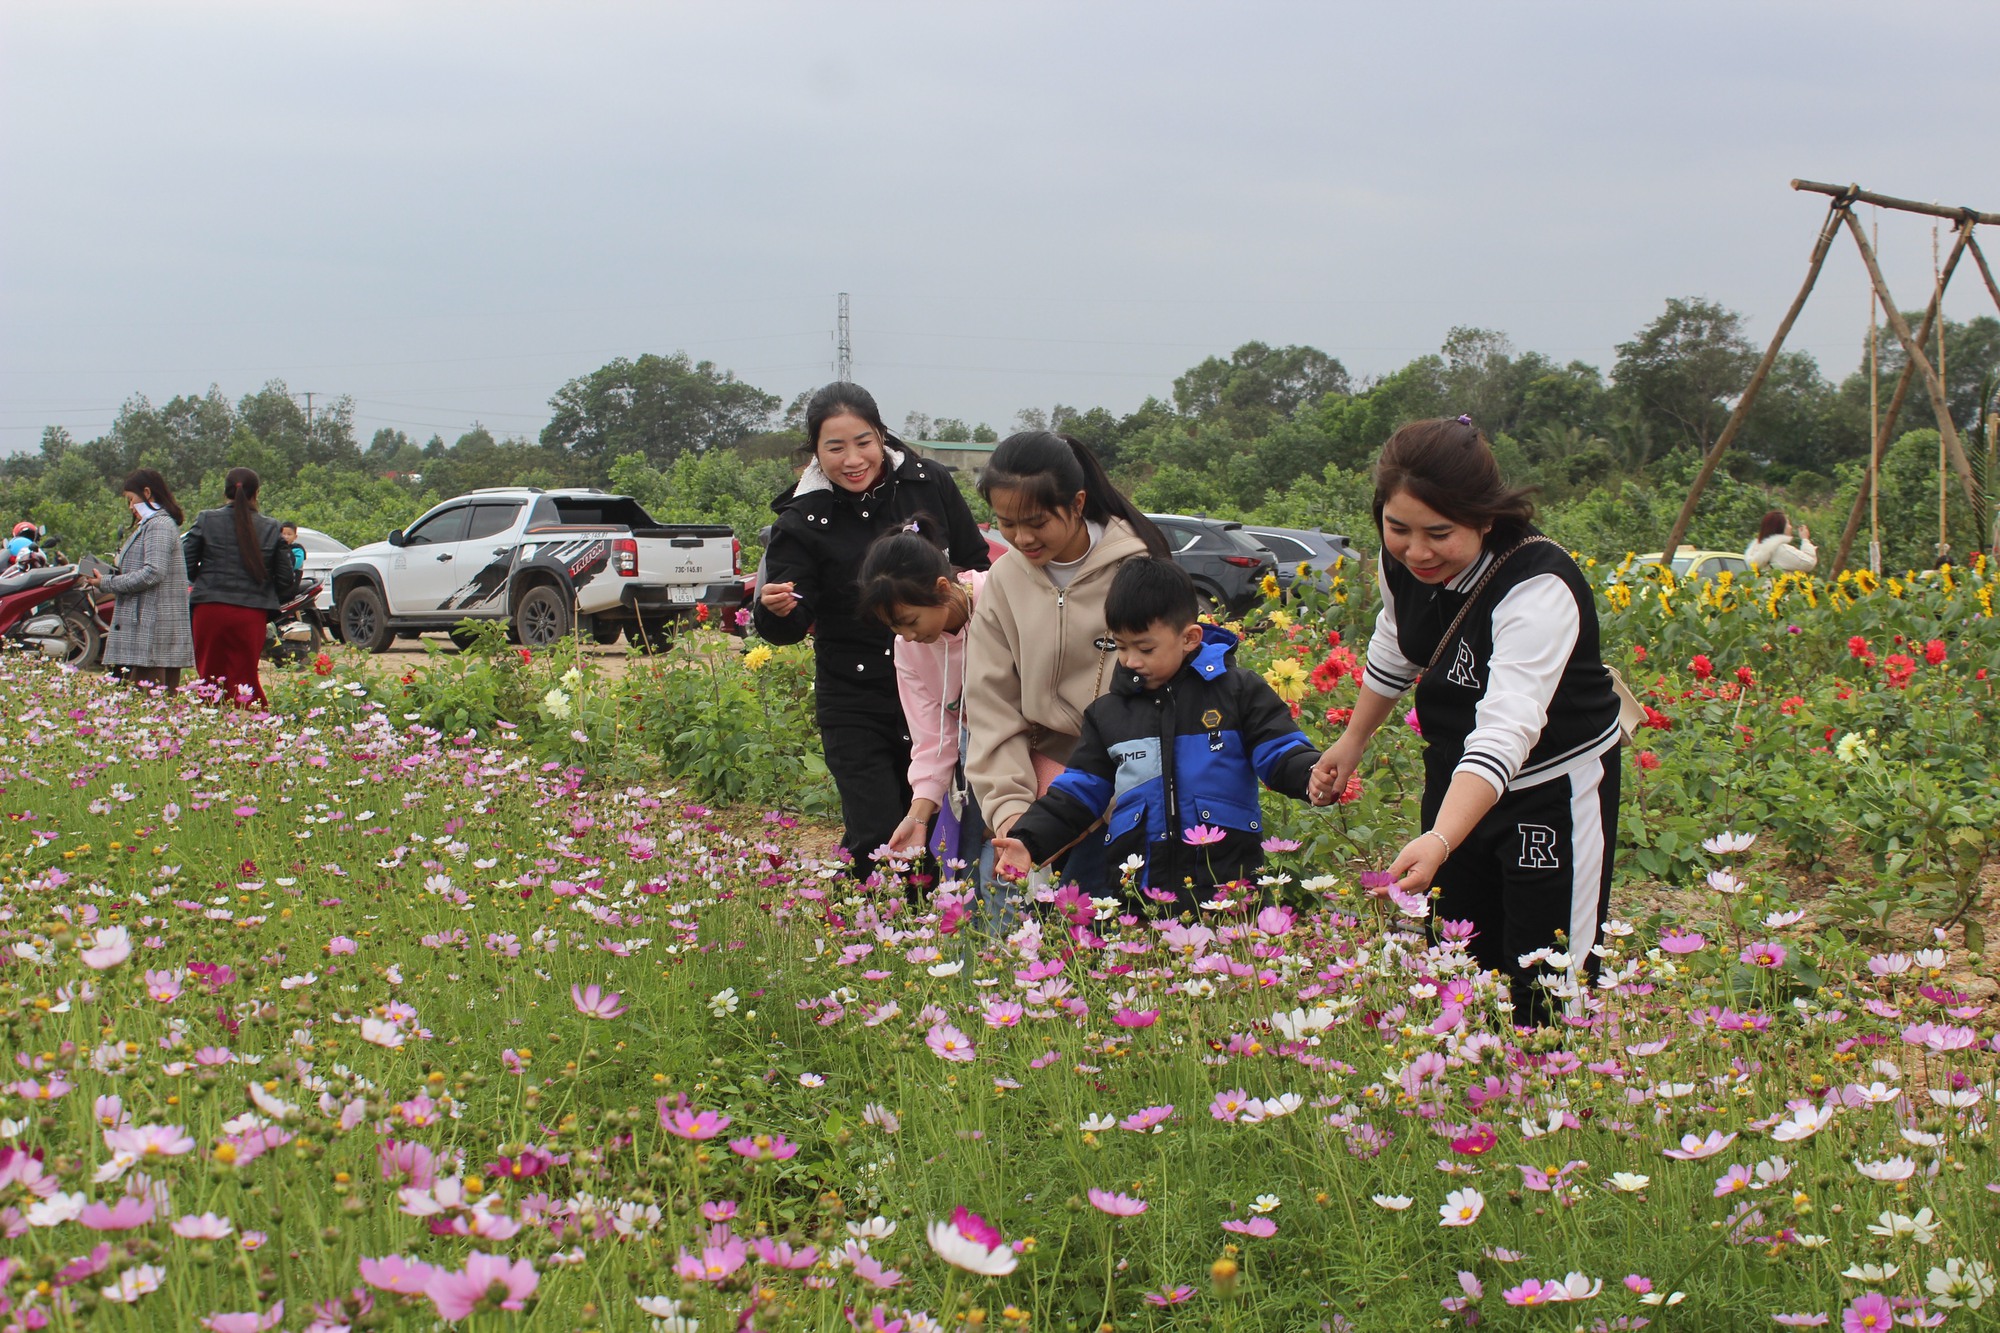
x=1176 y=747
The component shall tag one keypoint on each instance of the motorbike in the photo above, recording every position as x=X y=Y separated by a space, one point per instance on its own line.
x=49 y=610
x=299 y=631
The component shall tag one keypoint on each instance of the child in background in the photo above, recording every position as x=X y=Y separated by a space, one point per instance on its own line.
x=289 y=532
x=908 y=584
x=1172 y=755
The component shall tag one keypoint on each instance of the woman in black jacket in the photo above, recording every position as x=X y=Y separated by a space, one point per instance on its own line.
x=859 y=482
x=241 y=568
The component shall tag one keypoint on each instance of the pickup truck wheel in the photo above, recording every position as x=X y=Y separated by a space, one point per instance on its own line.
x=605 y=632
x=652 y=635
x=542 y=616
x=364 y=621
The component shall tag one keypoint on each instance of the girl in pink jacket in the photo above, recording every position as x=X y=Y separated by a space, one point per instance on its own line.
x=908 y=584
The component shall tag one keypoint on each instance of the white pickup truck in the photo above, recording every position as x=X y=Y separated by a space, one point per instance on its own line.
x=545 y=562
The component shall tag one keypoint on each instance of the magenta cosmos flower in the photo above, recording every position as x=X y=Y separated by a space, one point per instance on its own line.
x=1117 y=1205
x=596 y=1002
x=393 y=1272
x=1682 y=941
x=1764 y=953
x=1869 y=1314
x=1149 y=1119
x=764 y=1147
x=1170 y=1295
x=1201 y=835
x=1260 y=1227
x=248 y=1321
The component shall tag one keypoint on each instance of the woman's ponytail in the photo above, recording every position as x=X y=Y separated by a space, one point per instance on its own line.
x=1048 y=470
x=240 y=488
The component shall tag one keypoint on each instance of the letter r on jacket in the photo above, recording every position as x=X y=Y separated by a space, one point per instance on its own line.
x=1538 y=847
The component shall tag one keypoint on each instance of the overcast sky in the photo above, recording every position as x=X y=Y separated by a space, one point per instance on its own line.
x=448 y=210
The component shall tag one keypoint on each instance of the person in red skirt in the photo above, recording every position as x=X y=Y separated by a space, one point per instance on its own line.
x=241 y=572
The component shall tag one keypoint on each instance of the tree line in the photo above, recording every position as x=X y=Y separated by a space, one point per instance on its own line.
x=1278 y=434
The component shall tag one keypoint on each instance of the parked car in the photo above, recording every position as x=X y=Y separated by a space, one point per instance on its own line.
x=1313 y=547
x=1691 y=563
x=1227 y=564
x=323 y=555
x=544 y=562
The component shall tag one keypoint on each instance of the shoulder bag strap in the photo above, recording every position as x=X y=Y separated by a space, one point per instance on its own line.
x=1478 y=588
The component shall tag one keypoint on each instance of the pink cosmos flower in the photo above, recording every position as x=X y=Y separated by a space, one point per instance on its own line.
x=247 y=1322
x=1410 y=721
x=719 y=1210
x=163 y=987
x=144 y=1141
x=485 y=1276
x=1534 y=1292
x=1201 y=835
x=780 y=1254
x=1151 y=1118
x=340 y=944
x=1275 y=920
x=112 y=946
x=1117 y=1205
x=716 y=1262
x=871 y=1270
x=1170 y=1295
x=948 y=1043
x=1136 y=1018
x=1261 y=1227
x=124 y=1215
x=972 y=1243
x=1002 y=1014
x=1765 y=953
x=206 y=1227
x=1678 y=941
x=682 y=1122
x=1693 y=1149
x=1229 y=1105
x=76 y=1270
x=595 y=1002
x=393 y=1272
x=1276 y=846
x=764 y=1148
x=1800 y=1320
x=1870 y=1313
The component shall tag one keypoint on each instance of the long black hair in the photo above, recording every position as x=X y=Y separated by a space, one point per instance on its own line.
x=902 y=568
x=1047 y=470
x=240 y=488
x=148 y=479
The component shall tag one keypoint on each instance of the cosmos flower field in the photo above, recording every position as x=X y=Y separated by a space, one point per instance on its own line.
x=329 y=1019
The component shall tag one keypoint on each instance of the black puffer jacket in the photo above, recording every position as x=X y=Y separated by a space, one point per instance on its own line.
x=818 y=542
x=216 y=570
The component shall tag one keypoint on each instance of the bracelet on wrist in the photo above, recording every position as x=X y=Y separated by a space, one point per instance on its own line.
x=1433 y=833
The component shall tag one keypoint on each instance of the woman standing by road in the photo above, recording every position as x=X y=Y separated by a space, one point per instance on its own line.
x=859 y=482
x=1773 y=548
x=150 y=641
x=242 y=570
x=1518 y=714
x=1039 y=653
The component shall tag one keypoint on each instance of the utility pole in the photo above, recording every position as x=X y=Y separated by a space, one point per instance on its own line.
x=843 y=365
x=308 y=396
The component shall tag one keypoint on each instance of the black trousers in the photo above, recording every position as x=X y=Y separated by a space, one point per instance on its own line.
x=867 y=747
x=1534 y=873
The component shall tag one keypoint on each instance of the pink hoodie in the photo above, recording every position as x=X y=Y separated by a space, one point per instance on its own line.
x=930 y=678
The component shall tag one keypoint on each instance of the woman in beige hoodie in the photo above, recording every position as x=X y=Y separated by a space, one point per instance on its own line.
x=1038 y=652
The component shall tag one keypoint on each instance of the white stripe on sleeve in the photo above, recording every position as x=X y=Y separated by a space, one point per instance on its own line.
x=1535 y=628
x=1387 y=671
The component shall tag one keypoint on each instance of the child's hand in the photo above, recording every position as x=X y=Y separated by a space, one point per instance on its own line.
x=1418 y=863
x=1010 y=857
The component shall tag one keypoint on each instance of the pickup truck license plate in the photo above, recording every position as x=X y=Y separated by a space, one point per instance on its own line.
x=684 y=596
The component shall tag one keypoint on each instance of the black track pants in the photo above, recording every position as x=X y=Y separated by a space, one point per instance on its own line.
x=1538 y=863
x=867 y=747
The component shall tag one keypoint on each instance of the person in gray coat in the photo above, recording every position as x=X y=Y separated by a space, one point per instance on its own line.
x=151 y=639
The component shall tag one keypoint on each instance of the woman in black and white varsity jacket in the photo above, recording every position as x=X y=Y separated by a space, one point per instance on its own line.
x=1520 y=723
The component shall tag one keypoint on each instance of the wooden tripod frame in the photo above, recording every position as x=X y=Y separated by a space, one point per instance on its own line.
x=1840 y=212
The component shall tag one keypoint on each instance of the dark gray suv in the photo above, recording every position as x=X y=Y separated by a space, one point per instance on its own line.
x=1225 y=562
x=1315 y=547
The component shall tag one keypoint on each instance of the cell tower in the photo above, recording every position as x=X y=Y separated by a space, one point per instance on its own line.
x=843 y=365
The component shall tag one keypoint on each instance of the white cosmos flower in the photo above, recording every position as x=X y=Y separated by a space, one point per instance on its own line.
x=1804 y=1124
x=1724 y=843
x=1960 y=1282
x=875 y=1228
x=1395 y=1203
x=1896 y=1168
x=1097 y=1124
x=1922 y=1228
x=946 y=969
x=1629 y=1182
x=1461 y=1208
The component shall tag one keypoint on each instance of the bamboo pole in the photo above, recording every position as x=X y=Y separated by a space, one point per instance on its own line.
x=1915 y=351
x=1854 y=194
x=1865 y=500
x=1872 y=483
x=1979 y=256
x=1834 y=213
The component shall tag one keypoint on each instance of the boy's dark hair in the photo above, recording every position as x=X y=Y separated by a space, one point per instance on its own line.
x=1148 y=591
x=902 y=568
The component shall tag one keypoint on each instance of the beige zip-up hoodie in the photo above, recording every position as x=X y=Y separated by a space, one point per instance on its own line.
x=1037 y=656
